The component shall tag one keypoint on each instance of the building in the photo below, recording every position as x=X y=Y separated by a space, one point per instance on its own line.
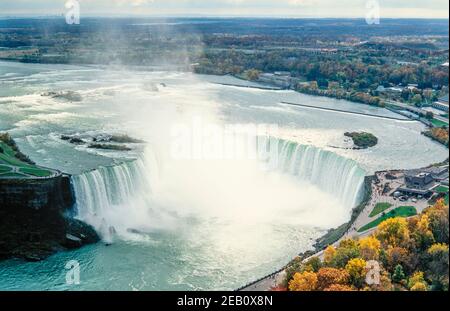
x=393 y=92
x=413 y=88
x=440 y=174
x=418 y=184
x=441 y=104
x=423 y=182
x=280 y=79
x=419 y=181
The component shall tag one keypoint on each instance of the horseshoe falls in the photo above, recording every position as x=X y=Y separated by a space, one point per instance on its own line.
x=191 y=224
x=117 y=200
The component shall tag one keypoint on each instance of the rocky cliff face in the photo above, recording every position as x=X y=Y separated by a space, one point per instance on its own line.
x=35 y=218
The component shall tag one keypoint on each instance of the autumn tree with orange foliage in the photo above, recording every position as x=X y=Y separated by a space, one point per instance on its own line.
x=327 y=277
x=440 y=134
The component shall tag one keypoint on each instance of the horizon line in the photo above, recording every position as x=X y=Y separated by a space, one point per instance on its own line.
x=217 y=16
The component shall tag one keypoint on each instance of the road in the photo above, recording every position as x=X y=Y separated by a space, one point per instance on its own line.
x=416 y=110
x=348 y=112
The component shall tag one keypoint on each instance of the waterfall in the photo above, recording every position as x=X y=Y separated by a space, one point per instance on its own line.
x=106 y=194
x=334 y=174
x=120 y=199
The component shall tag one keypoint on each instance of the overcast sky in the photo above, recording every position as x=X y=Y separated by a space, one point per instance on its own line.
x=263 y=8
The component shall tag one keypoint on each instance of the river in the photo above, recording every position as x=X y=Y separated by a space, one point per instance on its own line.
x=181 y=220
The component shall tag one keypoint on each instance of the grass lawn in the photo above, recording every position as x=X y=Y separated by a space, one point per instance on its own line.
x=438 y=123
x=12 y=175
x=402 y=211
x=8 y=158
x=35 y=172
x=379 y=208
x=441 y=189
x=5 y=169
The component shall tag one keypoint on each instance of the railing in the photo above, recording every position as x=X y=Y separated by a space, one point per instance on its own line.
x=262 y=279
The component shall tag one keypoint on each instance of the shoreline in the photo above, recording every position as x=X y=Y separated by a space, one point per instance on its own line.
x=348 y=112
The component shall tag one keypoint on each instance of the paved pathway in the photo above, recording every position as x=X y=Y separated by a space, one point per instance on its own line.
x=267 y=283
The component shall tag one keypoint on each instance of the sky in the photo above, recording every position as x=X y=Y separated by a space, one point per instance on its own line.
x=250 y=8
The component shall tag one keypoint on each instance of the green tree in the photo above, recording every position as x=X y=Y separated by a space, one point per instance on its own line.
x=347 y=250
x=399 y=274
x=417 y=100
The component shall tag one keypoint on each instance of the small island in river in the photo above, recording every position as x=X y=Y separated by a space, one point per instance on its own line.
x=363 y=140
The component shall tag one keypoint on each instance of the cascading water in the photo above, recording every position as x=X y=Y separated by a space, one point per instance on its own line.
x=113 y=195
x=120 y=199
x=336 y=175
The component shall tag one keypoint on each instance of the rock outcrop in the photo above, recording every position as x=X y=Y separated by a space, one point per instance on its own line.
x=36 y=218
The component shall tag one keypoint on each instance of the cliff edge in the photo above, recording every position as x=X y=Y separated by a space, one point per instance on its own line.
x=35 y=218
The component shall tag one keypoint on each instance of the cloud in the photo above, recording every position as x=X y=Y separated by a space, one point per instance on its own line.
x=280 y=8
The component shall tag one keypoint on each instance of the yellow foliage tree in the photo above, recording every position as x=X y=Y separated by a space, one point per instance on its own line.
x=417 y=278
x=393 y=232
x=438 y=248
x=356 y=268
x=419 y=287
x=422 y=231
x=303 y=282
x=370 y=248
x=329 y=254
